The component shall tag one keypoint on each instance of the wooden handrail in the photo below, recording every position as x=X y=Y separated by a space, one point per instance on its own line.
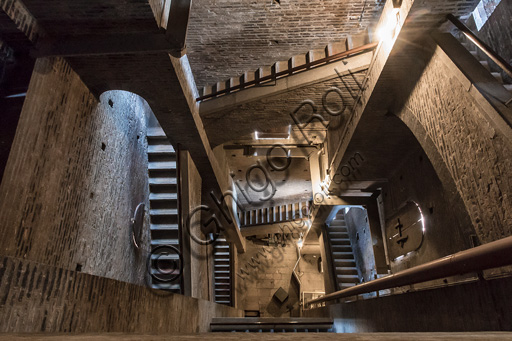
x=481 y=45
x=487 y=256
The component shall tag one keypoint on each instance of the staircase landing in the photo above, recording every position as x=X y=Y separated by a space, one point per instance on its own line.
x=271 y=324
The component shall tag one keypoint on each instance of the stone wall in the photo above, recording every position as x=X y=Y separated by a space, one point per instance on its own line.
x=76 y=172
x=41 y=298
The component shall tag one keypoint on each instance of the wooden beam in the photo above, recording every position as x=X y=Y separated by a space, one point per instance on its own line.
x=90 y=45
x=177 y=24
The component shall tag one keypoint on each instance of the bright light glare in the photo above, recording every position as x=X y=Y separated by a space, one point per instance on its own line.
x=386 y=32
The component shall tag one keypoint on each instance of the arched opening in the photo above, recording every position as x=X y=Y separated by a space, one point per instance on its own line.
x=422 y=216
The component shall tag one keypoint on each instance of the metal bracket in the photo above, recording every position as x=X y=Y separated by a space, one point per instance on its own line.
x=137 y=223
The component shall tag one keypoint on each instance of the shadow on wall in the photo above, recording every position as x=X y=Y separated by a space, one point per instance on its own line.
x=77 y=170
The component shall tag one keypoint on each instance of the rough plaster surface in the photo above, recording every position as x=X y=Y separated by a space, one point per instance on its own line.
x=76 y=172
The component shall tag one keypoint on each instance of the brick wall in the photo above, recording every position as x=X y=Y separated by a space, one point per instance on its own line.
x=76 y=172
x=462 y=145
x=42 y=298
x=227 y=38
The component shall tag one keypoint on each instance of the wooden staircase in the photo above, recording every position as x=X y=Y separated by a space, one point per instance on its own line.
x=275 y=214
x=222 y=274
x=342 y=254
x=297 y=63
x=163 y=204
x=495 y=71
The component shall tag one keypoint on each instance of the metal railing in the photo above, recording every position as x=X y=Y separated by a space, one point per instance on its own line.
x=480 y=44
x=491 y=255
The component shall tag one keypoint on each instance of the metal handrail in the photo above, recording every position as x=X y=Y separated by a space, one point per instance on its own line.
x=481 y=45
x=487 y=256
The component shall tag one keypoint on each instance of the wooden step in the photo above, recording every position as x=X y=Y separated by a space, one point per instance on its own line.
x=221 y=265
x=348 y=278
x=161 y=212
x=343 y=255
x=339 y=239
x=163 y=227
x=497 y=76
x=161 y=149
x=158 y=242
x=156 y=133
x=162 y=165
x=162 y=181
x=485 y=64
x=338 y=223
x=163 y=196
x=346 y=270
x=351 y=263
x=341 y=248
